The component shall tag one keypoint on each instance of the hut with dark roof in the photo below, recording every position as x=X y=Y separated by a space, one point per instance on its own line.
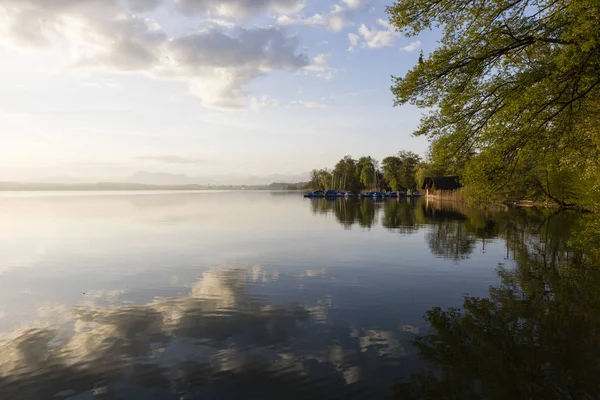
x=439 y=185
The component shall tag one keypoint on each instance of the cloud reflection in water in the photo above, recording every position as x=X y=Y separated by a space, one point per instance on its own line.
x=219 y=342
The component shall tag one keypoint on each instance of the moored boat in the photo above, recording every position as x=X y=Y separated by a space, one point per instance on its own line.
x=374 y=195
x=397 y=194
x=316 y=193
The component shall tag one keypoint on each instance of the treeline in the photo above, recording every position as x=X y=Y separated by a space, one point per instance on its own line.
x=403 y=171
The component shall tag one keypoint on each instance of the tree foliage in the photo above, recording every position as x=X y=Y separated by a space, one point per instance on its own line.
x=514 y=89
x=320 y=179
x=410 y=162
x=392 y=171
x=345 y=171
x=366 y=170
x=396 y=172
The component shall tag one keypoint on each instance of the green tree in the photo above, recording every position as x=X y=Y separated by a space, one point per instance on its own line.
x=320 y=179
x=366 y=172
x=447 y=158
x=392 y=171
x=410 y=162
x=514 y=82
x=345 y=173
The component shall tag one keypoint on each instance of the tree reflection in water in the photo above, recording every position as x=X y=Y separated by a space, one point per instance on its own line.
x=537 y=335
x=349 y=211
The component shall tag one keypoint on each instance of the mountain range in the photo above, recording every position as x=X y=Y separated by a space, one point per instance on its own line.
x=161 y=178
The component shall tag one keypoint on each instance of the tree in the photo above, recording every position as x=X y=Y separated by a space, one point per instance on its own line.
x=392 y=171
x=514 y=82
x=345 y=173
x=410 y=161
x=320 y=179
x=366 y=172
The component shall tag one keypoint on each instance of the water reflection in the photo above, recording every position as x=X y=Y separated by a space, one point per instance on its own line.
x=329 y=313
x=536 y=335
x=452 y=229
x=219 y=342
x=403 y=216
x=349 y=211
x=448 y=237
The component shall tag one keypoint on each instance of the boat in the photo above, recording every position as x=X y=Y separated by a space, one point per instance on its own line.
x=348 y=194
x=397 y=194
x=316 y=193
x=331 y=193
x=416 y=193
x=374 y=195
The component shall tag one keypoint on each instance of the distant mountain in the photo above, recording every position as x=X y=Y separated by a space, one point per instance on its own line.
x=66 y=180
x=161 y=178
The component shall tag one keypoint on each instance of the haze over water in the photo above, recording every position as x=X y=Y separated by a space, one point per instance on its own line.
x=232 y=295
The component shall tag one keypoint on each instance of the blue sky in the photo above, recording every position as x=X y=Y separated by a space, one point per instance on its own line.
x=98 y=89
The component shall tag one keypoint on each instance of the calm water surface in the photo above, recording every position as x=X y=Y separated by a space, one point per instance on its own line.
x=258 y=295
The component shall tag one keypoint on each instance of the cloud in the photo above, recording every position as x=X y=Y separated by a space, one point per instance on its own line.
x=239 y=8
x=335 y=20
x=143 y=5
x=172 y=159
x=411 y=46
x=373 y=38
x=354 y=40
x=320 y=66
x=308 y=104
x=217 y=63
x=355 y=3
x=256 y=103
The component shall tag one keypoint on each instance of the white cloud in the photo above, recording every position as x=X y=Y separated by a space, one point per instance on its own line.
x=225 y=23
x=308 y=104
x=256 y=103
x=354 y=39
x=411 y=46
x=377 y=38
x=216 y=65
x=335 y=20
x=373 y=38
x=385 y=24
x=320 y=66
x=354 y=3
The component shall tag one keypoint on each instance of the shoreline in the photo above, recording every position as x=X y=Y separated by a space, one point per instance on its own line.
x=513 y=203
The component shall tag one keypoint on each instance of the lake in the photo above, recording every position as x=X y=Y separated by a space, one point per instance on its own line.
x=267 y=295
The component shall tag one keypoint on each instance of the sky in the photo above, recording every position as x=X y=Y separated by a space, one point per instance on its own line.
x=100 y=89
